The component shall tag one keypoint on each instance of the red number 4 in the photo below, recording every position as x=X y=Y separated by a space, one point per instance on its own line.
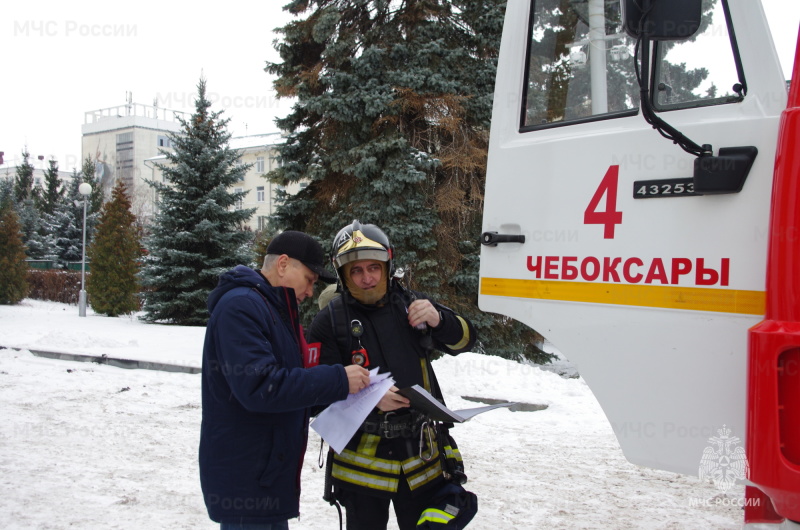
x=609 y=217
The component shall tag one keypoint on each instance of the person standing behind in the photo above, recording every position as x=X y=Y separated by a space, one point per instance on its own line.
x=256 y=391
x=376 y=322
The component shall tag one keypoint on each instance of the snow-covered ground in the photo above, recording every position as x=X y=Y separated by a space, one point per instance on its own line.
x=85 y=445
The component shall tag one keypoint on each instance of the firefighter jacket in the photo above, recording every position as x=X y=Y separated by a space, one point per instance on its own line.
x=372 y=462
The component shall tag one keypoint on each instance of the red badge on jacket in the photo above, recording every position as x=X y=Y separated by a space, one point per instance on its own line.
x=310 y=351
x=311 y=354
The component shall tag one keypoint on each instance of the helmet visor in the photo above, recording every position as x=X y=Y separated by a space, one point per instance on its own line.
x=359 y=247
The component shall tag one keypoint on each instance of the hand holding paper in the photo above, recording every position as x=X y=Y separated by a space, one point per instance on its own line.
x=340 y=421
x=358 y=378
x=391 y=400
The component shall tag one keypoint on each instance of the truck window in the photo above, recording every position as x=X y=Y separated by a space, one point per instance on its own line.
x=579 y=64
x=700 y=71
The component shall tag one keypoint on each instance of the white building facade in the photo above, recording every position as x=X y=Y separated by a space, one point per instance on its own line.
x=126 y=142
x=10 y=172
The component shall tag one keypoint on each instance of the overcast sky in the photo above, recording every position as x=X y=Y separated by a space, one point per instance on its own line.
x=62 y=59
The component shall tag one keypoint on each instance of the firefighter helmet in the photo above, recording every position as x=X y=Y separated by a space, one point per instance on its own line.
x=356 y=242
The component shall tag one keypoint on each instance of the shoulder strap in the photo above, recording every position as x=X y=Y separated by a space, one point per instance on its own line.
x=339 y=324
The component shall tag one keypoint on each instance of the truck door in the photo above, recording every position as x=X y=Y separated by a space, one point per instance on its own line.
x=595 y=234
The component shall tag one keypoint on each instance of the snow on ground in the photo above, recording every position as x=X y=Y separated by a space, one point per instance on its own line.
x=84 y=445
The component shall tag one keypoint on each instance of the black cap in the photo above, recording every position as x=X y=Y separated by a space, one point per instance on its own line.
x=304 y=249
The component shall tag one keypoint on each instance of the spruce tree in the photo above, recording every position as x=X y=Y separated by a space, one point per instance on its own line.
x=115 y=252
x=26 y=198
x=38 y=244
x=7 y=191
x=53 y=190
x=65 y=224
x=196 y=232
x=391 y=127
x=23 y=180
x=13 y=268
x=87 y=174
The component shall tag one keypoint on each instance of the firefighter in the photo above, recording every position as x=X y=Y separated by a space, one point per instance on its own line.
x=397 y=455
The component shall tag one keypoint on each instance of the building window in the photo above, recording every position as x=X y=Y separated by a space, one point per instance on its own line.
x=164 y=141
x=262 y=222
x=124 y=164
x=238 y=204
x=260 y=164
x=260 y=194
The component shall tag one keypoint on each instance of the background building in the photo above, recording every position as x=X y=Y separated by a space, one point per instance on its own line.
x=119 y=140
x=260 y=150
x=125 y=142
x=39 y=167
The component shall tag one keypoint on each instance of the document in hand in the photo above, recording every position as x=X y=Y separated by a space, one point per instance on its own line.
x=423 y=401
x=340 y=421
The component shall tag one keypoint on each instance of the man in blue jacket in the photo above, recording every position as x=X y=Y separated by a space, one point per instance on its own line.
x=256 y=389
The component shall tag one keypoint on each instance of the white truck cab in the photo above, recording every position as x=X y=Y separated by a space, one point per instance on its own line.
x=642 y=215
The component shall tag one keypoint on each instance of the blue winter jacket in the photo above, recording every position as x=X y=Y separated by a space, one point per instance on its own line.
x=256 y=394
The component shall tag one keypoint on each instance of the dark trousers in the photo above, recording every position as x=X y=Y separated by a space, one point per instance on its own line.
x=365 y=512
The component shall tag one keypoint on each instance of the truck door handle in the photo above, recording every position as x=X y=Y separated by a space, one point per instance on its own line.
x=491 y=239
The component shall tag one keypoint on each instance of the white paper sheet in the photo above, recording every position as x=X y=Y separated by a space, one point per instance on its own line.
x=340 y=421
x=423 y=401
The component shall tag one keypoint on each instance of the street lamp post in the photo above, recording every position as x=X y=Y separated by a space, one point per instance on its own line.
x=84 y=189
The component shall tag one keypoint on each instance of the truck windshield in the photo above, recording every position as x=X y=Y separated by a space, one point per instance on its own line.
x=579 y=63
x=700 y=71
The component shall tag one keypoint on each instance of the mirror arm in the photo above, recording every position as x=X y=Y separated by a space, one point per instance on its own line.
x=665 y=129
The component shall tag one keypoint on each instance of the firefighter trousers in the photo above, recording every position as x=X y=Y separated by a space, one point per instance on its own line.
x=365 y=512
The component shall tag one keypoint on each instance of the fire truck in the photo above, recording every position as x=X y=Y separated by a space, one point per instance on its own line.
x=642 y=212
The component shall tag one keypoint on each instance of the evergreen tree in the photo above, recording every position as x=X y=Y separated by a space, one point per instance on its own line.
x=196 y=233
x=37 y=243
x=259 y=246
x=113 y=286
x=13 y=268
x=96 y=198
x=6 y=191
x=53 y=190
x=391 y=127
x=35 y=239
x=65 y=224
x=23 y=181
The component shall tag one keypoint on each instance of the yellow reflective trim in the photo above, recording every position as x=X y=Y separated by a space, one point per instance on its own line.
x=364 y=479
x=666 y=296
x=425 y=476
x=465 y=335
x=368 y=445
x=425 y=381
x=412 y=464
x=449 y=452
x=435 y=516
x=415 y=462
x=369 y=462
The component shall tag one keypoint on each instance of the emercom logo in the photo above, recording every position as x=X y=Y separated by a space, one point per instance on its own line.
x=724 y=460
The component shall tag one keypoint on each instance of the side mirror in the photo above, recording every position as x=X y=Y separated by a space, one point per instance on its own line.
x=661 y=19
x=724 y=173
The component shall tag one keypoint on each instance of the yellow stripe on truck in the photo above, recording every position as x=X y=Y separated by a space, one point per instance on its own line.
x=667 y=296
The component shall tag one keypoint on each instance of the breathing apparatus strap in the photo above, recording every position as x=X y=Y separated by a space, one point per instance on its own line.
x=329 y=494
x=339 y=322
